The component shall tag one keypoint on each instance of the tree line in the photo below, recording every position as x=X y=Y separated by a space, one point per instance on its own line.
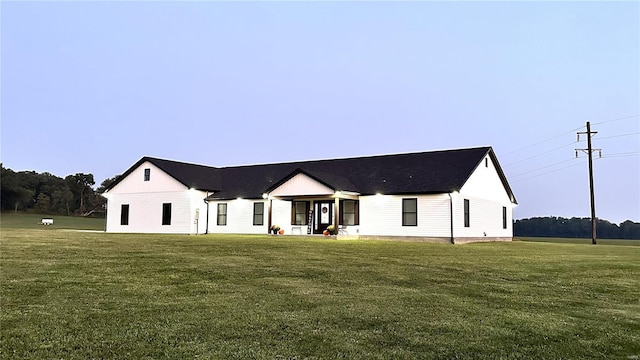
x=551 y=226
x=45 y=193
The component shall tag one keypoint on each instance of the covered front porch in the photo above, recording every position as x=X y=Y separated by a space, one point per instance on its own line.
x=316 y=207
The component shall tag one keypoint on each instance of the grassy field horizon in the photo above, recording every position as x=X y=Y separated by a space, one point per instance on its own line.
x=77 y=295
x=23 y=220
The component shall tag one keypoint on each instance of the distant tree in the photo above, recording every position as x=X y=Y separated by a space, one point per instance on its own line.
x=61 y=200
x=574 y=228
x=47 y=193
x=12 y=194
x=42 y=204
x=106 y=183
x=81 y=187
x=57 y=190
x=630 y=230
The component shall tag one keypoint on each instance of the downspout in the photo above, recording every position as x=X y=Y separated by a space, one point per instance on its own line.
x=451 y=217
x=269 y=217
x=206 y=231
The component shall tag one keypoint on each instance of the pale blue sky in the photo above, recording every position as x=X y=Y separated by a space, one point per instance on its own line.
x=94 y=86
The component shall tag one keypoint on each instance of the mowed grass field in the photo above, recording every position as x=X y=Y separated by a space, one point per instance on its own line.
x=79 y=295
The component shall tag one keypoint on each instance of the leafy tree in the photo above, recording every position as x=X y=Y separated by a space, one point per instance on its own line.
x=106 y=183
x=81 y=187
x=57 y=191
x=42 y=204
x=12 y=194
x=61 y=200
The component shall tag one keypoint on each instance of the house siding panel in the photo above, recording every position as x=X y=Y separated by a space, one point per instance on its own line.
x=239 y=217
x=485 y=183
x=301 y=184
x=158 y=182
x=382 y=215
x=145 y=212
x=281 y=216
x=487 y=196
x=485 y=218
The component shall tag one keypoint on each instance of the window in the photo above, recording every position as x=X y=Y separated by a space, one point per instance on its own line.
x=147 y=174
x=486 y=162
x=409 y=212
x=124 y=214
x=299 y=212
x=258 y=213
x=166 y=214
x=349 y=212
x=222 y=214
x=504 y=217
x=466 y=213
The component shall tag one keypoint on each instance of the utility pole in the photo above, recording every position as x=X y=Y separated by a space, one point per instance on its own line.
x=589 y=150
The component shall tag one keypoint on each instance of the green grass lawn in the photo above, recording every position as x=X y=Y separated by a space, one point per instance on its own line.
x=32 y=221
x=81 y=295
x=625 y=242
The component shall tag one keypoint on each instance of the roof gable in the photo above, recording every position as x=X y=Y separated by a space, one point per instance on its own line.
x=194 y=176
x=300 y=184
x=487 y=179
x=147 y=178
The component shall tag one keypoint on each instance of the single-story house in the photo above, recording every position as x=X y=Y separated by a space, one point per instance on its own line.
x=453 y=196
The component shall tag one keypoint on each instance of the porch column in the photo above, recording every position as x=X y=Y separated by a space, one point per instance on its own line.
x=336 y=214
x=269 y=220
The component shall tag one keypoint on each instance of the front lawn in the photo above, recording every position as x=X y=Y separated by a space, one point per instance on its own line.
x=81 y=295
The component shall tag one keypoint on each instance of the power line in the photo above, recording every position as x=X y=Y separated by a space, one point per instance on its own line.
x=615 y=155
x=543 y=141
x=618 y=136
x=571 y=131
x=627 y=154
x=542 y=167
x=524 y=175
x=618 y=119
x=548 y=172
x=538 y=155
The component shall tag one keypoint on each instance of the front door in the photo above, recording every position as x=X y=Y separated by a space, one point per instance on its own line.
x=324 y=216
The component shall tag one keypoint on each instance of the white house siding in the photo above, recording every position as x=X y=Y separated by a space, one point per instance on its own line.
x=381 y=215
x=281 y=216
x=485 y=183
x=158 y=182
x=487 y=196
x=485 y=219
x=145 y=199
x=300 y=185
x=239 y=217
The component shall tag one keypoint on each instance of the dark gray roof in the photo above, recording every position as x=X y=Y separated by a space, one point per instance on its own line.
x=199 y=177
x=411 y=173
